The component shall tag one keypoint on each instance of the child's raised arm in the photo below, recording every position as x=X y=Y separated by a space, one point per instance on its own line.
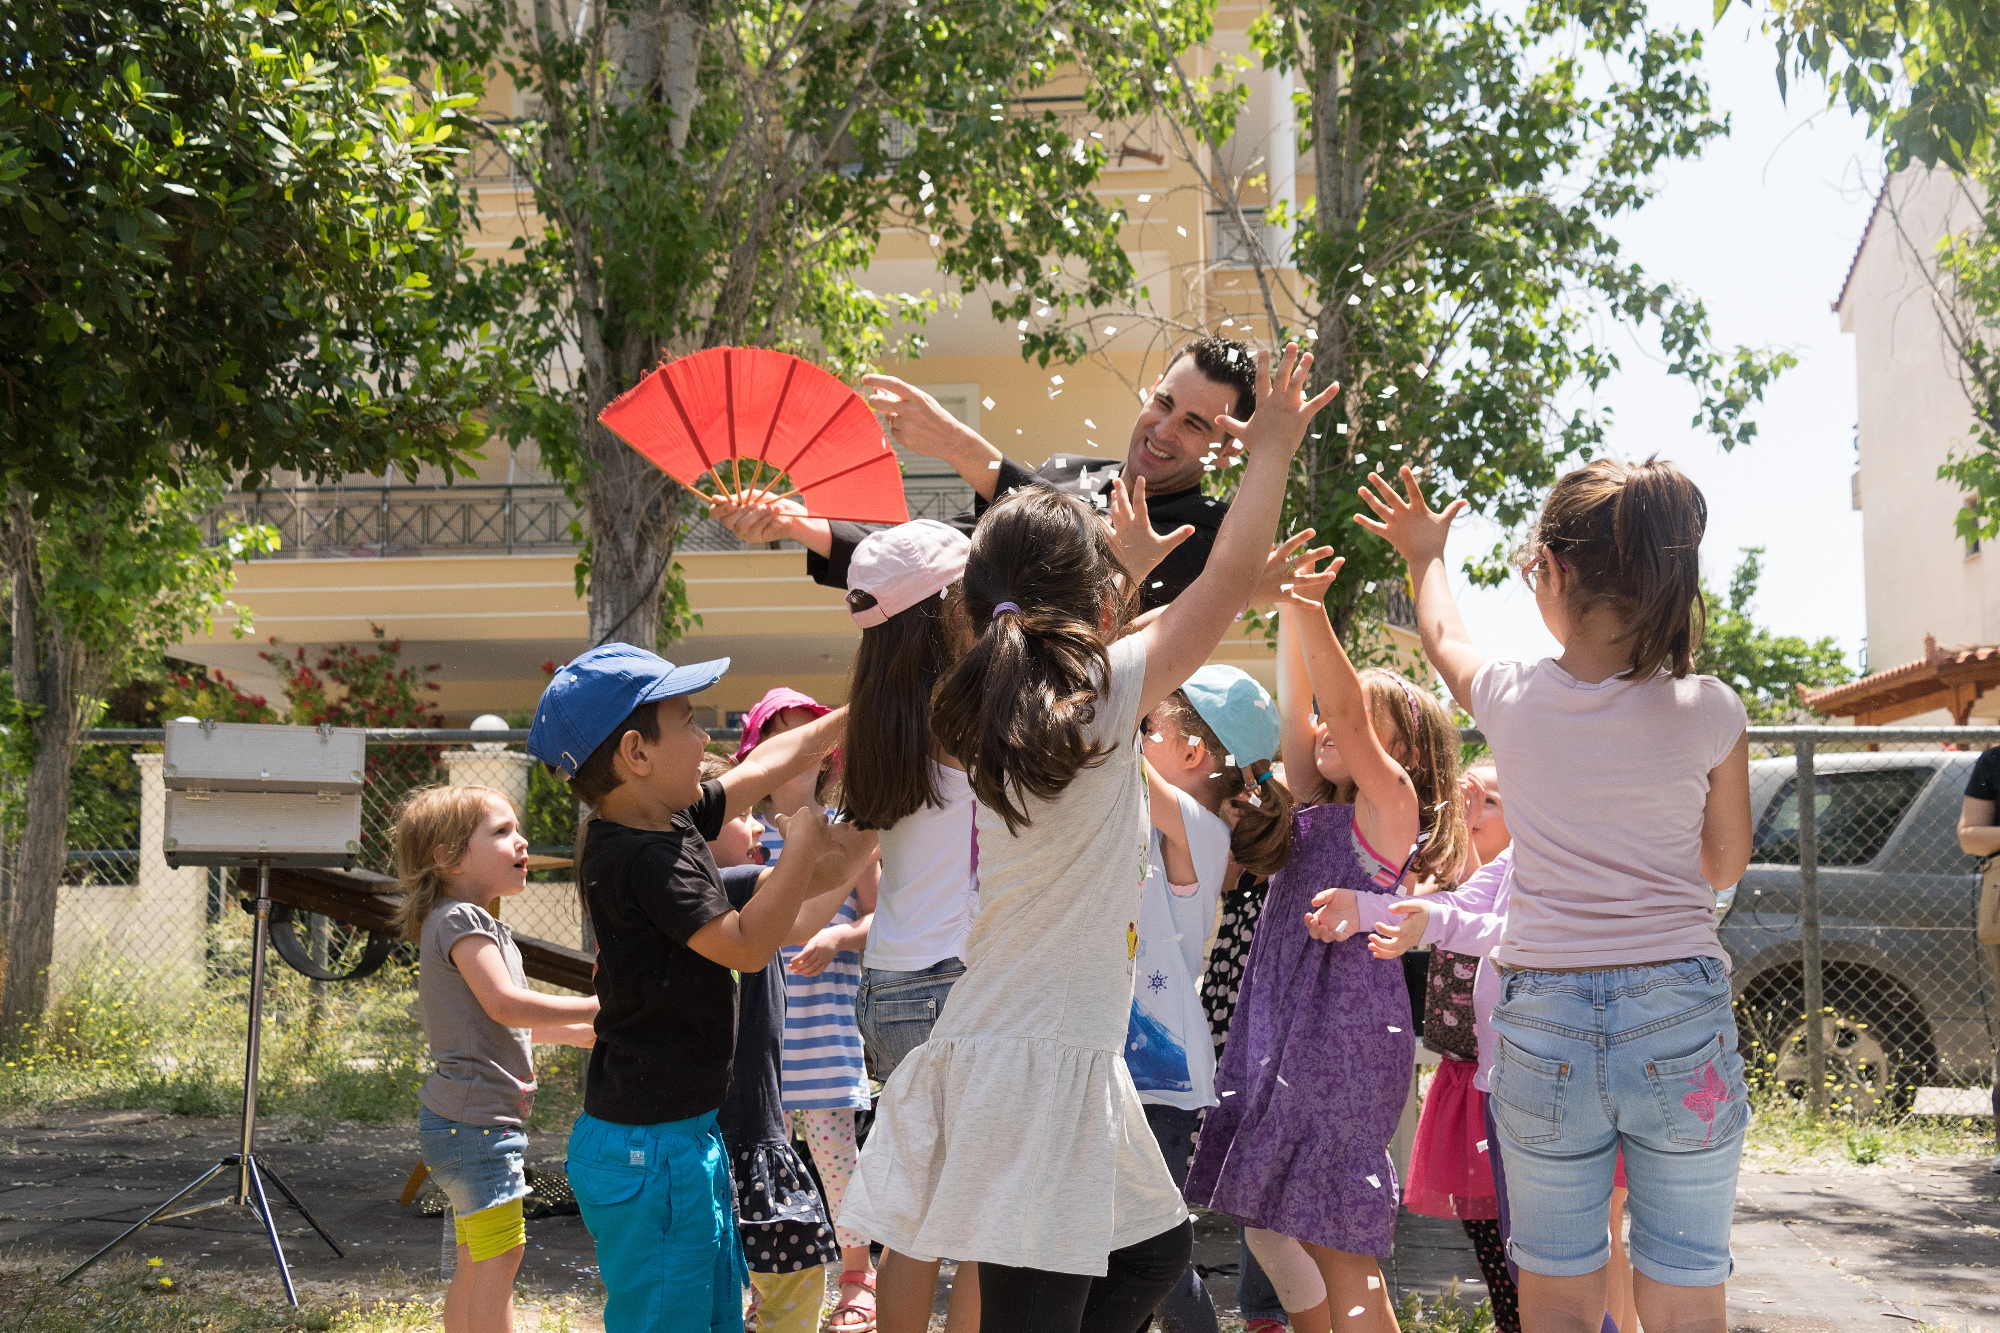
x=1166 y=812
x=778 y=760
x=1188 y=630
x=1385 y=805
x=820 y=860
x=1418 y=534
x=1297 y=744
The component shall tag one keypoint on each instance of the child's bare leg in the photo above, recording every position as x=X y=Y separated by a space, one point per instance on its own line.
x=1618 y=1299
x=1297 y=1279
x=1354 y=1283
x=1564 y=1304
x=480 y=1298
x=904 y=1290
x=962 y=1306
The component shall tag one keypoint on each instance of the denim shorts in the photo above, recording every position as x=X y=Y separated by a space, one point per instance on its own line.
x=897 y=1010
x=477 y=1166
x=1642 y=1058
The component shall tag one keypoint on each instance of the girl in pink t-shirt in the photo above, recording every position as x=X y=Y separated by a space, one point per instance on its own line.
x=1628 y=794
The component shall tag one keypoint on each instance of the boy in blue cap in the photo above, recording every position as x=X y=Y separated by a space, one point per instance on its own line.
x=646 y=1162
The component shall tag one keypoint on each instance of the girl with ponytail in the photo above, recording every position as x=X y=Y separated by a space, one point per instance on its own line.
x=1013 y=1136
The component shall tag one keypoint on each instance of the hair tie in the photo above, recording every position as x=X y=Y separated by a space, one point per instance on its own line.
x=1410 y=698
x=1006 y=606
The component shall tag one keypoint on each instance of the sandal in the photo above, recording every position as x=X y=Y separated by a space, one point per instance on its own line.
x=850 y=1307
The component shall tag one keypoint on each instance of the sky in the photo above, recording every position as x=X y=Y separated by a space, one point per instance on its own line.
x=1762 y=227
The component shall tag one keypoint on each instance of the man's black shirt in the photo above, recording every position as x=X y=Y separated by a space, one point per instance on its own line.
x=666 y=1022
x=1090 y=479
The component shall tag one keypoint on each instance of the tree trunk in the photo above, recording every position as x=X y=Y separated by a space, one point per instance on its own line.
x=682 y=68
x=631 y=506
x=45 y=678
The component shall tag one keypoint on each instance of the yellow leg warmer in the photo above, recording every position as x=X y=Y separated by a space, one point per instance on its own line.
x=491 y=1232
x=789 y=1302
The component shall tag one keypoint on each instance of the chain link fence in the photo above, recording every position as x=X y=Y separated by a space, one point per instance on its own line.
x=1862 y=988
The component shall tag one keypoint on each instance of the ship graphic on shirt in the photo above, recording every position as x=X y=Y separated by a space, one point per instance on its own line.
x=1155 y=1056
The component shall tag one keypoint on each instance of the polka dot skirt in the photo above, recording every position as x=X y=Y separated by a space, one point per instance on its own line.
x=1224 y=978
x=779 y=1213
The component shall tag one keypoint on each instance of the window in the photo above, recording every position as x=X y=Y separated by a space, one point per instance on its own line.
x=1855 y=812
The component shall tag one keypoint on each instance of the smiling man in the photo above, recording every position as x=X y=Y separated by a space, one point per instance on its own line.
x=1173 y=439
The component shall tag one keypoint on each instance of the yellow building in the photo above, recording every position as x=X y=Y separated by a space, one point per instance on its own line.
x=479 y=577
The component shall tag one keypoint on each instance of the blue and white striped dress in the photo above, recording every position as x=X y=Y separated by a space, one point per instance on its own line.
x=823 y=1068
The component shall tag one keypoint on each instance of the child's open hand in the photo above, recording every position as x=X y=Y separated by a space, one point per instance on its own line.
x=1308 y=586
x=1387 y=941
x=838 y=852
x=1278 y=567
x=1139 y=547
x=813 y=956
x=1335 y=916
x=1408 y=522
x=1283 y=410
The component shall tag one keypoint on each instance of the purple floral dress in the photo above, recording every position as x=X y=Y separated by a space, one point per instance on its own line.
x=1317 y=1066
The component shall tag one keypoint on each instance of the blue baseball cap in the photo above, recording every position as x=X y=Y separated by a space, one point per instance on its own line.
x=595 y=692
x=1238 y=710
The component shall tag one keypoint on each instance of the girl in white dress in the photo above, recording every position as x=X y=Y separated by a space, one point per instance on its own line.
x=1014 y=1136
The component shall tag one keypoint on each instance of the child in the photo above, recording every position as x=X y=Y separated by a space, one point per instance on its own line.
x=646 y=1163
x=786 y=1232
x=825 y=1078
x=900 y=781
x=1629 y=800
x=1321 y=1049
x=1208 y=748
x=457 y=850
x=1012 y=1137
x=1489 y=821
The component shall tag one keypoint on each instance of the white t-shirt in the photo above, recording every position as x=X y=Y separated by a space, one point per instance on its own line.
x=929 y=892
x=1168 y=1047
x=1606 y=785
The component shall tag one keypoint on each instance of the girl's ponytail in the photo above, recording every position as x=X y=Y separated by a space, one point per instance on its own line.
x=1017 y=709
x=1261 y=837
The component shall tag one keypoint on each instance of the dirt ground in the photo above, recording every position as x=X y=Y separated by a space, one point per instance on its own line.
x=1818 y=1251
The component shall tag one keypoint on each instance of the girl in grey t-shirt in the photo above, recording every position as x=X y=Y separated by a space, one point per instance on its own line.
x=458 y=849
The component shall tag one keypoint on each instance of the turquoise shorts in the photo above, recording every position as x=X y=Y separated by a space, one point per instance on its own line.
x=657 y=1201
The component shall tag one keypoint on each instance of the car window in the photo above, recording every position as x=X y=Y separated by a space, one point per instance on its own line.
x=1855 y=811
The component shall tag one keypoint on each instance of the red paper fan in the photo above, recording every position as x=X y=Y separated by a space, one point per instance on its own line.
x=764 y=422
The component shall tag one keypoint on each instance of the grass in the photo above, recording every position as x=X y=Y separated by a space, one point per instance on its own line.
x=117 y=1039
x=1784 y=1136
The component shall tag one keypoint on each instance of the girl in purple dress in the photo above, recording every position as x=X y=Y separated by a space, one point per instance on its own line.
x=1321 y=1048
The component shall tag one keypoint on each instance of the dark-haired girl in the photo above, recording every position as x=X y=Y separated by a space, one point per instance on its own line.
x=1014 y=1136
x=1628 y=794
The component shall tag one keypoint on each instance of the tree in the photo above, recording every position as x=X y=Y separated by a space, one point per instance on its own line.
x=1454 y=248
x=717 y=172
x=1926 y=74
x=1766 y=670
x=96 y=585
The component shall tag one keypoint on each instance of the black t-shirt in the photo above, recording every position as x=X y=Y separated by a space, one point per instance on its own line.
x=1984 y=784
x=666 y=1022
x=754 y=1110
x=1090 y=479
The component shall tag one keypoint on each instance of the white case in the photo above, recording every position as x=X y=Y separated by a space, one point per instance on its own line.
x=249 y=756
x=229 y=828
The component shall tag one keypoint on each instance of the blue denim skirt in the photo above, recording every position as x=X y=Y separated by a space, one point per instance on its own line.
x=477 y=1166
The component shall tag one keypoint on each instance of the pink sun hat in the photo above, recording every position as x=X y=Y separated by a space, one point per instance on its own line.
x=901 y=566
x=773 y=703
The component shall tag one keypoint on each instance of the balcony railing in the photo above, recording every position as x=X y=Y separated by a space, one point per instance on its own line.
x=349 y=522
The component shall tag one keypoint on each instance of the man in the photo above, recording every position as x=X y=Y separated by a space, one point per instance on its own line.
x=1175 y=438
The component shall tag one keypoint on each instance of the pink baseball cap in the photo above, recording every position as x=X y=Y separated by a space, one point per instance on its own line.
x=902 y=566
x=773 y=703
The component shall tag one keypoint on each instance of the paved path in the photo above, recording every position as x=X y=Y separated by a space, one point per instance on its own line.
x=1820 y=1251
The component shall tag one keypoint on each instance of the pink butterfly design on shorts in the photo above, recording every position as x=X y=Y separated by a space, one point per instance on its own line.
x=1704 y=1099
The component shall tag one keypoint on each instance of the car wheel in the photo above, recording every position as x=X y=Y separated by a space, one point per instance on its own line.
x=1877 y=1048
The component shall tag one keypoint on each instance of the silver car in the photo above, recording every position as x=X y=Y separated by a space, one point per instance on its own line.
x=1908 y=1002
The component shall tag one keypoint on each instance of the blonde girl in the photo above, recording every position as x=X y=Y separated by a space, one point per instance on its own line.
x=459 y=850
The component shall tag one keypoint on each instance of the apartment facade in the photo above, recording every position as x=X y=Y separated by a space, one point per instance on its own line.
x=480 y=578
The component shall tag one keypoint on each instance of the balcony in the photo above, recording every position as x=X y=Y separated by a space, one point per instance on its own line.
x=377 y=522
x=1229 y=240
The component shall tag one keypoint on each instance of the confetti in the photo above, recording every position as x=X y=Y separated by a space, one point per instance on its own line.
x=1374 y=1283
x=1156 y=738
x=1340 y=429
x=1368 y=280
x=1145 y=198
x=1159 y=583
x=1256 y=802
x=1022 y=324
x=1284 y=587
x=1088 y=422
x=1375 y=1182
x=1230 y=760
x=987 y=402
x=1055 y=379
x=1183 y=231
x=1265 y=1061
x=1354 y=300
x=1395 y=1029
x=993 y=467
x=1281 y=1079
x=1359 y=1309
x=1482 y=1145
x=1110 y=329
x=1091 y=443
x=936 y=239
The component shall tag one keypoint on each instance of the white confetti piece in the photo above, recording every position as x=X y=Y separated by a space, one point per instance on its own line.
x=1340 y=429
x=1482 y=1145
x=987 y=402
x=1091 y=443
x=1159 y=583
x=1230 y=1093
x=1145 y=198
x=936 y=239
x=1156 y=738
x=1375 y=1182
x=1183 y=231
x=1359 y=1309
x=1265 y=1061
x=1374 y=1283
x=1395 y=1029
x=1088 y=422
x=1368 y=280
x=1354 y=300
x=1230 y=760
x=993 y=467
x=1256 y=802
x=1284 y=587
x=1281 y=1079
x=1110 y=329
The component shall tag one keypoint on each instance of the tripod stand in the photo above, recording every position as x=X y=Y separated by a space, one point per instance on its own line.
x=248 y=1188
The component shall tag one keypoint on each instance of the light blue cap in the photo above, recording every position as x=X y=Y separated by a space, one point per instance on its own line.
x=1238 y=710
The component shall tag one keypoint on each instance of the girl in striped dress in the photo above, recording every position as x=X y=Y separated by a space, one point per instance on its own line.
x=825 y=1080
